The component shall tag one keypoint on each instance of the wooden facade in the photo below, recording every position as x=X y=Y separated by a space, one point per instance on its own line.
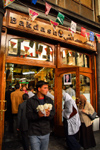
x=18 y=25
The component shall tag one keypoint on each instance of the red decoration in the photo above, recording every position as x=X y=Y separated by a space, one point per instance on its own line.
x=26 y=48
x=51 y=53
x=83 y=31
x=12 y=43
x=31 y=54
x=46 y=49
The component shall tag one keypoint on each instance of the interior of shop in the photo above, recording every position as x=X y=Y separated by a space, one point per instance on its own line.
x=28 y=75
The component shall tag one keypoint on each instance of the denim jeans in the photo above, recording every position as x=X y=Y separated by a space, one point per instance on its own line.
x=39 y=142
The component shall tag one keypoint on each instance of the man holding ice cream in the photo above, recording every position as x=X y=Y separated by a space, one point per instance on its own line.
x=39 y=111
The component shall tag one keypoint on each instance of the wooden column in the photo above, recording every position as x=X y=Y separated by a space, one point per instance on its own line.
x=2 y=96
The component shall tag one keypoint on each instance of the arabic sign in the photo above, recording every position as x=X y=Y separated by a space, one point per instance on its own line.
x=23 y=23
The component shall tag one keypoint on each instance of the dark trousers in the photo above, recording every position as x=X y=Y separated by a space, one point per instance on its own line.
x=25 y=140
x=15 y=124
x=71 y=140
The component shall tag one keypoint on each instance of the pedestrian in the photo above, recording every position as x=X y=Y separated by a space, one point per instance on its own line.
x=87 y=139
x=39 y=123
x=24 y=89
x=16 y=99
x=8 y=113
x=71 y=91
x=30 y=93
x=23 y=122
x=71 y=122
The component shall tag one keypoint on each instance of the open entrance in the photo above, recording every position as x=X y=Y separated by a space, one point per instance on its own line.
x=74 y=82
x=26 y=76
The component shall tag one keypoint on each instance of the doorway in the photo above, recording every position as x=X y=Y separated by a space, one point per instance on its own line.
x=79 y=83
x=23 y=75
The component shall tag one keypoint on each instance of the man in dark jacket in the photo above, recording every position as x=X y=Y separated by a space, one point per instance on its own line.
x=8 y=113
x=39 y=124
x=23 y=122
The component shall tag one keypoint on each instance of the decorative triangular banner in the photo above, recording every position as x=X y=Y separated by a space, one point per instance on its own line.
x=34 y=1
x=7 y=2
x=73 y=26
x=47 y=8
x=32 y=14
x=87 y=35
x=55 y=24
x=98 y=37
x=91 y=36
x=83 y=31
x=60 y=18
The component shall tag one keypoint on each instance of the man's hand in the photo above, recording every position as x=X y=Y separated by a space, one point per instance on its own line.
x=40 y=114
x=83 y=110
x=47 y=113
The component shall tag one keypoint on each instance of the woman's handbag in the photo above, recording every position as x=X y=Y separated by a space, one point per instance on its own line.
x=93 y=116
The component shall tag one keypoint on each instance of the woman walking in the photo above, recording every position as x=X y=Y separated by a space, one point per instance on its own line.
x=86 y=132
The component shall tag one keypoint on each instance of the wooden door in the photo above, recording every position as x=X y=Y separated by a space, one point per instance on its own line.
x=2 y=85
x=59 y=75
x=2 y=96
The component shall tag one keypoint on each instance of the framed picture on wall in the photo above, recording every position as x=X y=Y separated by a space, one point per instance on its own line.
x=67 y=79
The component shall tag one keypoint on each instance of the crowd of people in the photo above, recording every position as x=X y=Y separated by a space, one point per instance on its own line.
x=35 y=126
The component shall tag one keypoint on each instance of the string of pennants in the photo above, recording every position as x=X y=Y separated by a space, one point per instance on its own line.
x=59 y=20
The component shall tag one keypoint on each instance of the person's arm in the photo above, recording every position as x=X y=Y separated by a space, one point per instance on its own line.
x=68 y=106
x=67 y=109
x=88 y=109
x=31 y=114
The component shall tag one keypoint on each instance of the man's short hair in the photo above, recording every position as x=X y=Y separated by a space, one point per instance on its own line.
x=17 y=86
x=25 y=96
x=40 y=84
x=71 y=85
x=31 y=88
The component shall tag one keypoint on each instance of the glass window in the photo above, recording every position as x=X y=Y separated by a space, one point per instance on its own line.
x=30 y=49
x=28 y=76
x=70 y=57
x=85 y=86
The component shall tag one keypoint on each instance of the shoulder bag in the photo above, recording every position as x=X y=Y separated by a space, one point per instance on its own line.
x=93 y=116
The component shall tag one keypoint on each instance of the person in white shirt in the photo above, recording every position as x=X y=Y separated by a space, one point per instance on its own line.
x=71 y=121
x=71 y=91
x=30 y=93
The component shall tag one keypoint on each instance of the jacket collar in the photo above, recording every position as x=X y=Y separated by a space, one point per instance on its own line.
x=35 y=97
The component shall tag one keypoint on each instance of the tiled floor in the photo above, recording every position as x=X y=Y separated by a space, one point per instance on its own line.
x=56 y=143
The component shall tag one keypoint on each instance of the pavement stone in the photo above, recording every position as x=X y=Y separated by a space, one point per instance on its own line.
x=56 y=143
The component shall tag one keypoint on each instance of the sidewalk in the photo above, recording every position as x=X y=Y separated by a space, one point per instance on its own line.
x=56 y=143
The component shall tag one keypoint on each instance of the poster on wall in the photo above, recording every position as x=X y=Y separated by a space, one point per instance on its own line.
x=67 y=79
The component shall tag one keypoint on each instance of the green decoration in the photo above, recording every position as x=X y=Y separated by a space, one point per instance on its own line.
x=60 y=18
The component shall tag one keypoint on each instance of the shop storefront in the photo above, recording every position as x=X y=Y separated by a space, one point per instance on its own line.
x=33 y=51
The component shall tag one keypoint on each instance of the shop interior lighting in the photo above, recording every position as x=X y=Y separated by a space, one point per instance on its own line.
x=30 y=72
